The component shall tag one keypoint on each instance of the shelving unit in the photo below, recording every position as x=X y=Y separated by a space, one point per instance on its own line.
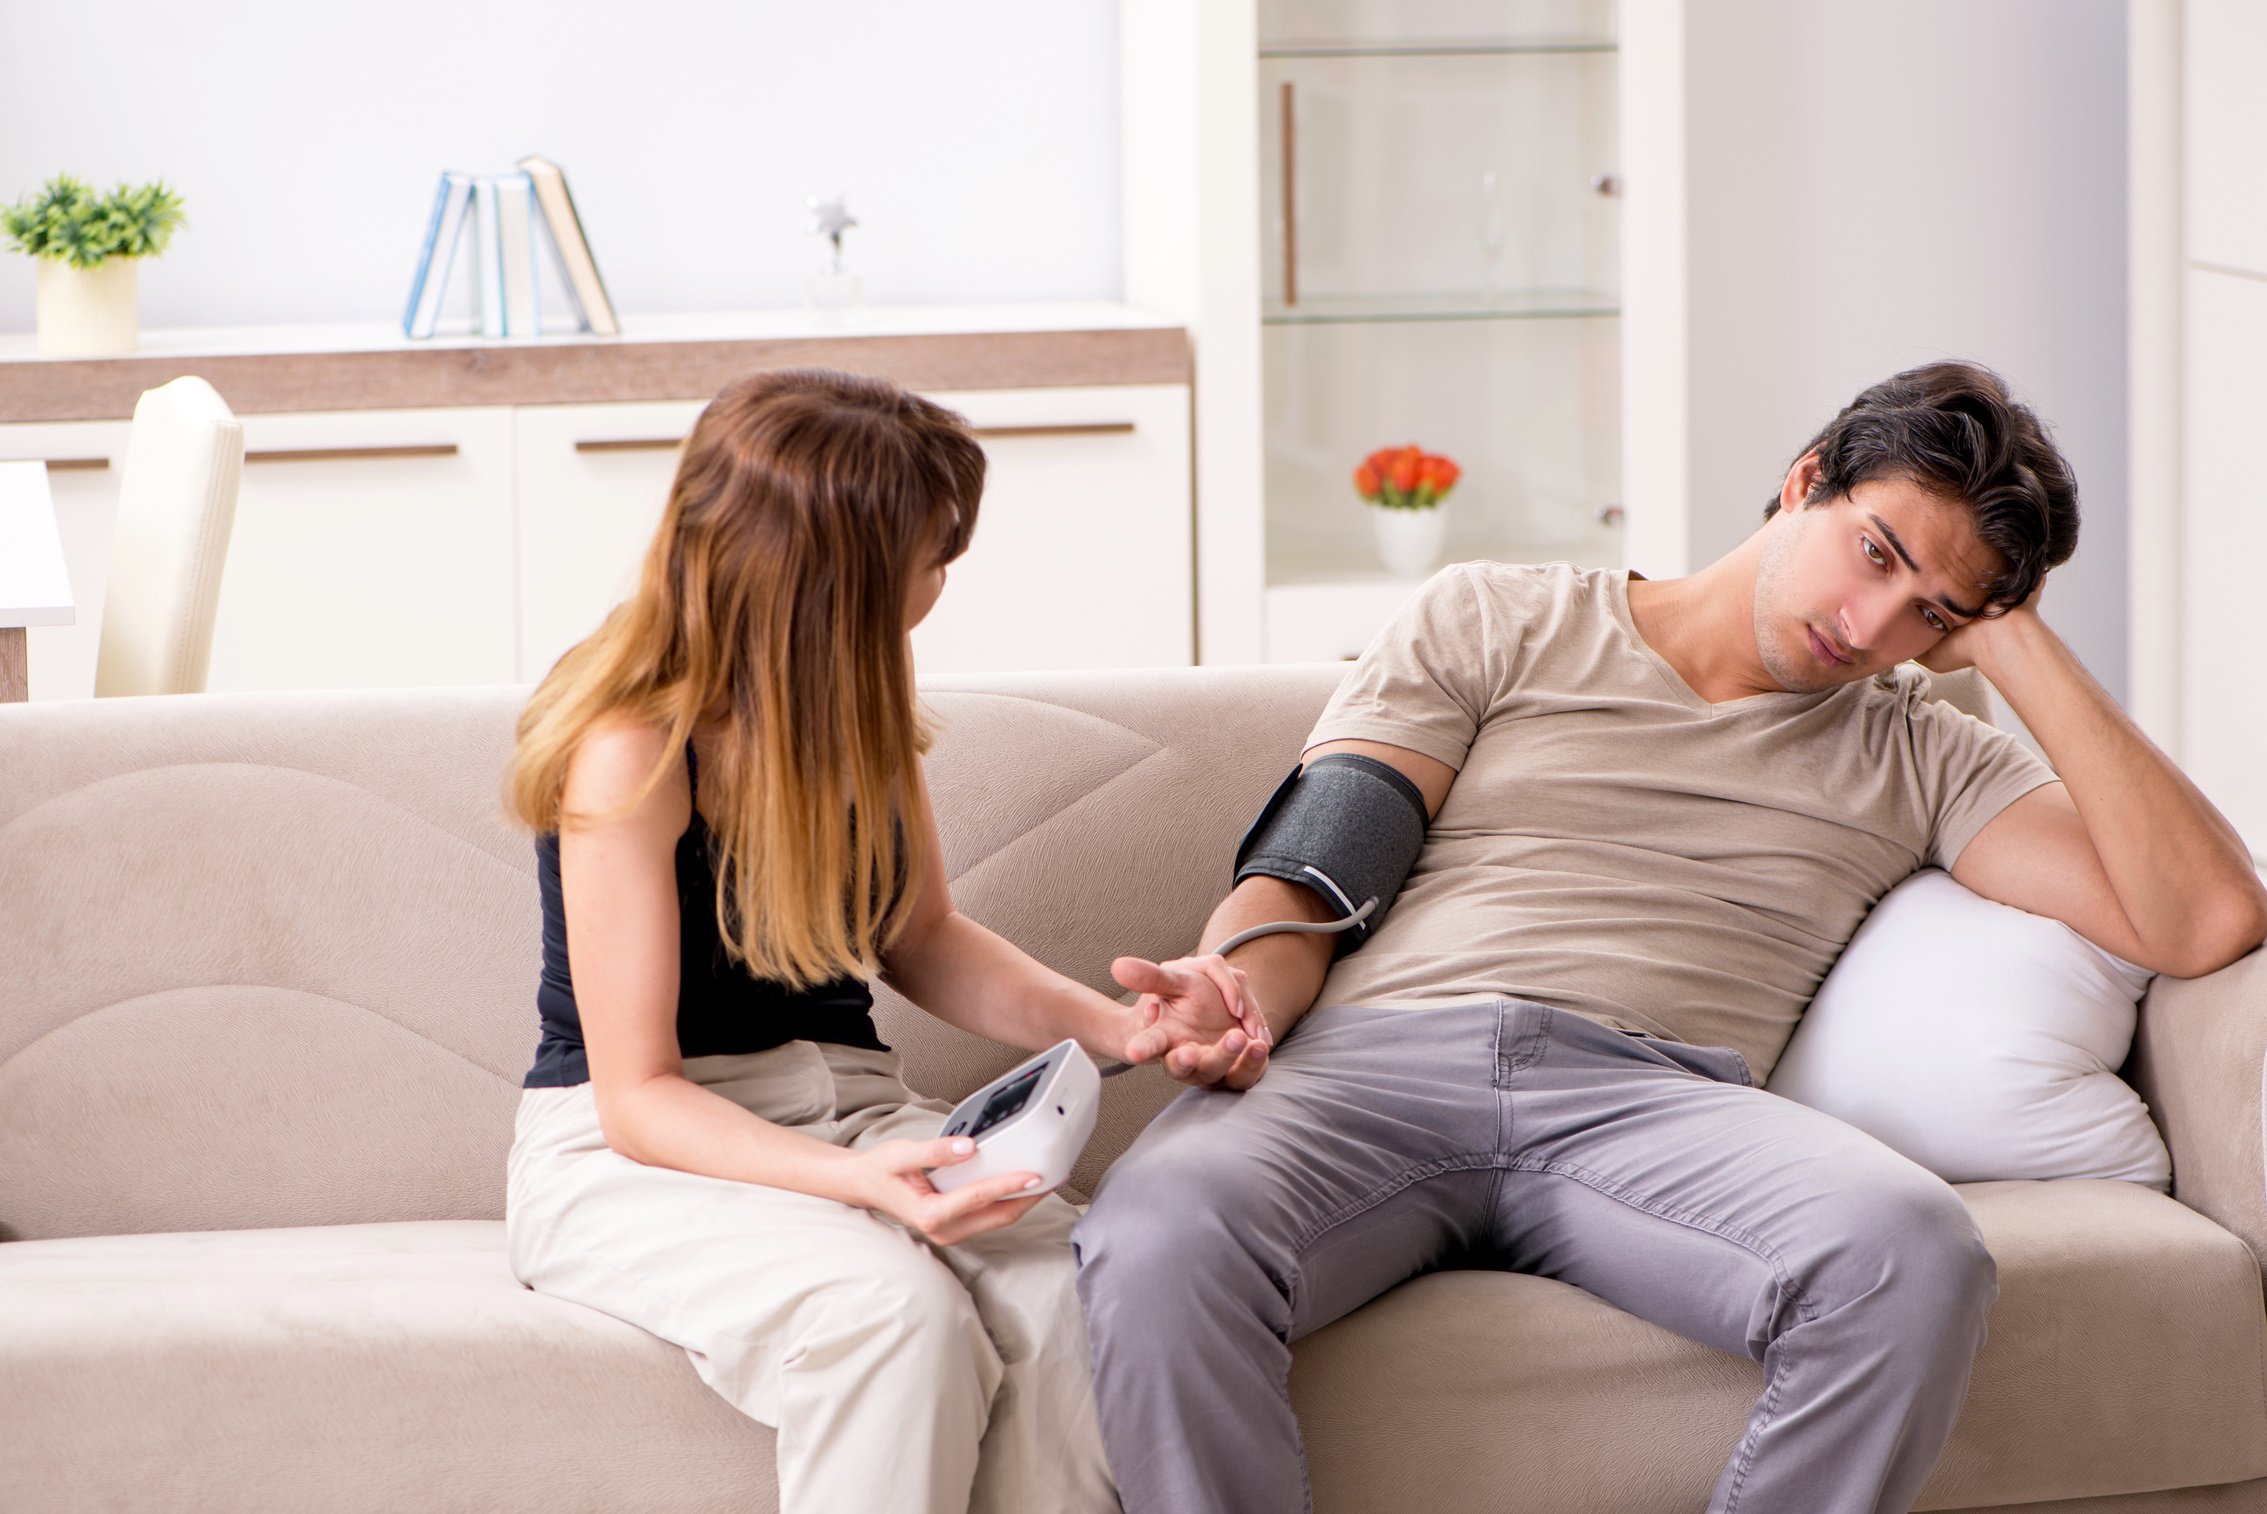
x=1439 y=264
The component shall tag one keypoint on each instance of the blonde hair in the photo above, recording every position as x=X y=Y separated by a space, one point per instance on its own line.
x=772 y=603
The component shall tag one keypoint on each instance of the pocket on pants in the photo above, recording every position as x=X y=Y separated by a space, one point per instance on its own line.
x=1719 y=1064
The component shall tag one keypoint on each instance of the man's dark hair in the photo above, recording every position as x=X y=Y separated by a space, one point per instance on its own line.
x=1952 y=429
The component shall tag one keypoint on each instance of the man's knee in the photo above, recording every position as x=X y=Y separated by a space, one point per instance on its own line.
x=1164 y=1220
x=1914 y=1253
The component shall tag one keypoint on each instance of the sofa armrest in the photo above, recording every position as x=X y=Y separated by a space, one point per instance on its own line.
x=2200 y=1059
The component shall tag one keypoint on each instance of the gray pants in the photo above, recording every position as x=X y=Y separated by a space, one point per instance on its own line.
x=1383 y=1143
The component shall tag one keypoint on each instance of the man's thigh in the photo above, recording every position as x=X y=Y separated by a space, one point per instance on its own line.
x=1364 y=1155
x=1652 y=1175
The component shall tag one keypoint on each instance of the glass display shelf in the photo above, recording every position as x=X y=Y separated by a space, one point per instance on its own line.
x=1508 y=305
x=1473 y=48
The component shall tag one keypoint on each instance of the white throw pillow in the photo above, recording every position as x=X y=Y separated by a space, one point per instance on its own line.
x=1981 y=1041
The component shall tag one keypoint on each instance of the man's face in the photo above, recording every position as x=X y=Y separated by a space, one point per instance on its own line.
x=1852 y=586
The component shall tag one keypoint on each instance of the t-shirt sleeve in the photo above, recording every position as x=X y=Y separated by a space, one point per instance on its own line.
x=1426 y=682
x=1971 y=771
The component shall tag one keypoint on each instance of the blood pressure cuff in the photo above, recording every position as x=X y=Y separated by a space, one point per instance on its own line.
x=1346 y=826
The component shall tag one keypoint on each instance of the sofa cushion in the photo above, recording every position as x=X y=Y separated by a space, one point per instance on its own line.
x=1979 y=1040
x=356 y=1367
x=2127 y=1353
x=395 y=1366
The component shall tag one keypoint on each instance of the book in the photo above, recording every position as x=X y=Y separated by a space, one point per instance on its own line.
x=488 y=256
x=515 y=244
x=442 y=231
x=570 y=249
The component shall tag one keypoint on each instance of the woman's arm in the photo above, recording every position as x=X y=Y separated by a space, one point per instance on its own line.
x=966 y=975
x=618 y=879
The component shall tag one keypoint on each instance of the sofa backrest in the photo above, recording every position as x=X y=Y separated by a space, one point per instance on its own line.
x=271 y=959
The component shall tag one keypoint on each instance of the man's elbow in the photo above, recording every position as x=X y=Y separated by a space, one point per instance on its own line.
x=2227 y=933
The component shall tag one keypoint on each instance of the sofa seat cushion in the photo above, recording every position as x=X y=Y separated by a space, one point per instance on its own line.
x=393 y=1366
x=352 y=1367
x=2127 y=1353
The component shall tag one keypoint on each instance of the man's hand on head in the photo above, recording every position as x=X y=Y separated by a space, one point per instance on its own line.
x=1196 y=1017
x=1972 y=644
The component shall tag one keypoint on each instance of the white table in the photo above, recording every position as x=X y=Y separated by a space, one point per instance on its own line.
x=35 y=588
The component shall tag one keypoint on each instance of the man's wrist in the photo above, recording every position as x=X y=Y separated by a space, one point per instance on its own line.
x=2008 y=641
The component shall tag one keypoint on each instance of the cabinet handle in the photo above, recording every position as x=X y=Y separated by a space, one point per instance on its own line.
x=1041 y=428
x=351 y=454
x=1059 y=428
x=633 y=444
x=1290 y=198
x=65 y=464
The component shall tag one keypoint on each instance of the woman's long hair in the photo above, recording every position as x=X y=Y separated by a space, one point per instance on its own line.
x=771 y=604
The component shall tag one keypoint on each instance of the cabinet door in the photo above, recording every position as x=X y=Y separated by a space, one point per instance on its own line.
x=591 y=483
x=371 y=549
x=84 y=459
x=1082 y=556
x=2225 y=43
x=2224 y=539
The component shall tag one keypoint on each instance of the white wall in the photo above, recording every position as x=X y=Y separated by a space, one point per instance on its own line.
x=977 y=141
x=1873 y=186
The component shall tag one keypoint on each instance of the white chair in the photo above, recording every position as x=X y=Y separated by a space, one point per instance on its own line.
x=176 y=505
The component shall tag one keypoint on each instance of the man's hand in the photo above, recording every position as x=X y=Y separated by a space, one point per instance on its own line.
x=1970 y=646
x=1196 y=1014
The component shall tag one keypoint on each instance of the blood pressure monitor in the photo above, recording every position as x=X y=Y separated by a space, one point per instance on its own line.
x=1033 y=1118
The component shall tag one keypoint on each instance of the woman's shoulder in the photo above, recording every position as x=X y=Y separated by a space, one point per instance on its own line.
x=625 y=767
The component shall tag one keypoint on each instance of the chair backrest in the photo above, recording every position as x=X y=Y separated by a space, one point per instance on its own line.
x=176 y=506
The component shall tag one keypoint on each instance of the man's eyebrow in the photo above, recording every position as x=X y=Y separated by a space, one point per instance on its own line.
x=1899 y=548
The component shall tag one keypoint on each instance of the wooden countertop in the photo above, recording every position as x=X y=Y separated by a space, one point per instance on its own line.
x=657 y=357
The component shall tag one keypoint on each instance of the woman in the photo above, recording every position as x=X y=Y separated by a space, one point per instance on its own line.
x=734 y=838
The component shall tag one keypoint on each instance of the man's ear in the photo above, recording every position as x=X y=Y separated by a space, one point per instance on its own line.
x=1802 y=475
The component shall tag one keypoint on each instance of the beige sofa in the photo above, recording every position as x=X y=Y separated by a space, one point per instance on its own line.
x=267 y=969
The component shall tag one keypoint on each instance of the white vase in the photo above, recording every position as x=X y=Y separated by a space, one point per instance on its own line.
x=1409 y=541
x=88 y=312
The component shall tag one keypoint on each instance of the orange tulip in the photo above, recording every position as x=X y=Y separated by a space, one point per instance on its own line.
x=1366 y=480
x=1403 y=474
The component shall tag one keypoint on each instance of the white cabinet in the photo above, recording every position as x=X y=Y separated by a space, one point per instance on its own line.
x=1081 y=557
x=371 y=549
x=2223 y=727
x=2197 y=124
x=2225 y=43
x=1083 y=549
x=591 y=483
x=83 y=459
x=397 y=548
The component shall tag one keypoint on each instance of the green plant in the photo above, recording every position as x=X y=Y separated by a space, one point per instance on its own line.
x=68 y=221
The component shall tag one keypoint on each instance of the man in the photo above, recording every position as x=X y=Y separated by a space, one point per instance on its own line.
x=1650 y=815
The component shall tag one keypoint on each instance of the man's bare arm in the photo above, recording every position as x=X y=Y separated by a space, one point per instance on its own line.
x=2125 y=850
x=1285 y=972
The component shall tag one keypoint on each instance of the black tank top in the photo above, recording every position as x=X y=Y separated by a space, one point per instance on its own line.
x=722 y=1008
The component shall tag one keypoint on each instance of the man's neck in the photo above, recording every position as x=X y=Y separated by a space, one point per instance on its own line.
x=1703 y=625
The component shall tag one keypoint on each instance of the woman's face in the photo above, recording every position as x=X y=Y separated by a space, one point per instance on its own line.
x=921 y=595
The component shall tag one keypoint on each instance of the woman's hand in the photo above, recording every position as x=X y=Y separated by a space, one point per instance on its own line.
x=891 y=1178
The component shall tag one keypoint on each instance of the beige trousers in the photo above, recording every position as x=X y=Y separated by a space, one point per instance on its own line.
x=900 y=1376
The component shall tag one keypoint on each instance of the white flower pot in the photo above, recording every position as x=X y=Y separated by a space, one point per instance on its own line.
x=88 y=312
x=1409 y=541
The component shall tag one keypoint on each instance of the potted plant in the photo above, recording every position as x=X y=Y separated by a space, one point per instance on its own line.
x=87 y=243
x=1406 y=486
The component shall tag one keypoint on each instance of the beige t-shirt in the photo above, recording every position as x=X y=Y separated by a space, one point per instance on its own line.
x=1617 y=846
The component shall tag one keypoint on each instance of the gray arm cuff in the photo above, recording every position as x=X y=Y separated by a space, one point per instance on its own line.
x=1347 y=827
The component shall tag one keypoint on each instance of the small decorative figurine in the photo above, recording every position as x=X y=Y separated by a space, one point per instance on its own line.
x=832 y=288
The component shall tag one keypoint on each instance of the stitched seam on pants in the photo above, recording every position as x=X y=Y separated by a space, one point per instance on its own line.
x=1503 y=1112
x=1747 y=1241
x=1470 y=1161
x=1743 y=1460
x=1768 y=1407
